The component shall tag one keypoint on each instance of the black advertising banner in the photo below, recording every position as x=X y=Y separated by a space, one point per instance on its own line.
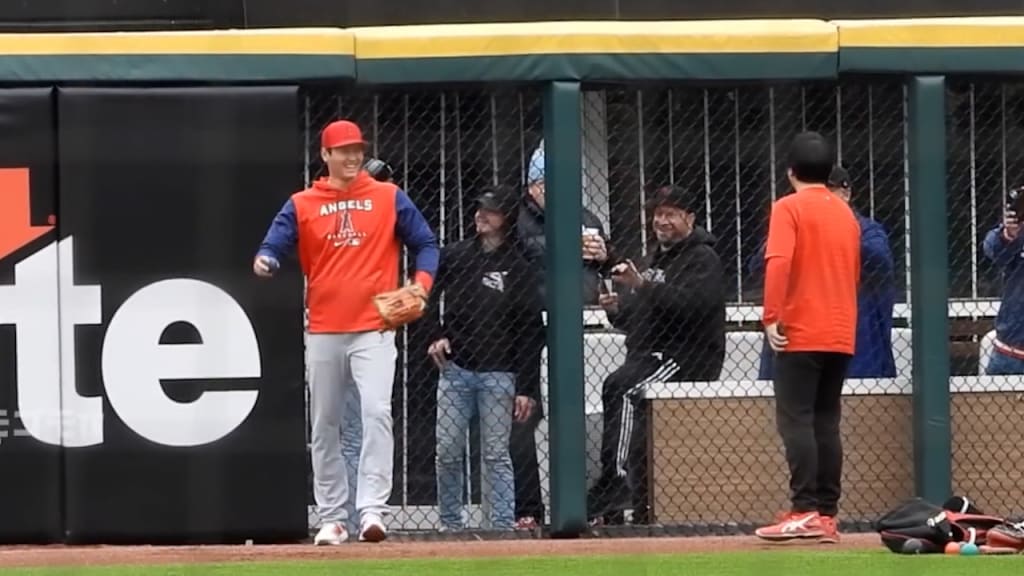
x=31 y=484
x=188 y=399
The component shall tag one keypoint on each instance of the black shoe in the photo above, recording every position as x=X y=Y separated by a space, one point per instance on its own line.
x=641 y=516
x=615 y=518
x=608 y=495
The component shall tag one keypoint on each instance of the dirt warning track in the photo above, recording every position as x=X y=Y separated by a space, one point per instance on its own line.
x=12 y=556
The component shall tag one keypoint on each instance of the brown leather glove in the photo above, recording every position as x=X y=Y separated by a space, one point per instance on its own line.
x=400 y=307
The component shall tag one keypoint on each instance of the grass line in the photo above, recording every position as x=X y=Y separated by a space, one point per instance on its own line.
x=782 y=563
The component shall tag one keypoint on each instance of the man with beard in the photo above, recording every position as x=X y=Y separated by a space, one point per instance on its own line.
x=672 y=309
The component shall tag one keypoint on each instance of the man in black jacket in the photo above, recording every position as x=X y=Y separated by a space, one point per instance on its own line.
x=532 y=241
x=488 y=349
x=672 y=309
x=532 y=238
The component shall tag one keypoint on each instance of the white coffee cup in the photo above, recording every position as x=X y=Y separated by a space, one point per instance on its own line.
x=589 y=234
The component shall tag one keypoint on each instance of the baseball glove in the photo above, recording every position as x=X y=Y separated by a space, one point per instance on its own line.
x=400 y=307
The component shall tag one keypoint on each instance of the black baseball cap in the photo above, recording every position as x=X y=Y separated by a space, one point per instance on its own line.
x=676 y=197
x=500 y=199
x=839 y=178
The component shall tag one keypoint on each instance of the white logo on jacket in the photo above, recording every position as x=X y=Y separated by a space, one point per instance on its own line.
x=656 y=275
x=495 y=280
x=330 y=208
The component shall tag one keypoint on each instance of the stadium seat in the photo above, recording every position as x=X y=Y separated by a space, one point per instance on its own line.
x=902 y=351
x=742 y=355
x=985 y=350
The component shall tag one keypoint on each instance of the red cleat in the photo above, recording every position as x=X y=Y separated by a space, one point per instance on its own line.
x=793 y=526
x=829 y=529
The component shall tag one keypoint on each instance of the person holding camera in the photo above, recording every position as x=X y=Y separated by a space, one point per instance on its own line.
x=1005 y=248
x=672 y=308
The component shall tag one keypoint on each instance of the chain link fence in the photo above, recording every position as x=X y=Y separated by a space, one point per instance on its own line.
x=986 y=160
x=697 y=451
x=683 y=441
x=464 y=459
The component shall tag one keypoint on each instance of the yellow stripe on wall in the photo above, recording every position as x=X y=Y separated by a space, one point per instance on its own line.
x=454 y=40
x=932 y=33
x=310 y=41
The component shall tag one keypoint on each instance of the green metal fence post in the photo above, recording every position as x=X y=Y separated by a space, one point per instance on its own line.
x=563 y=201
x=929 y=276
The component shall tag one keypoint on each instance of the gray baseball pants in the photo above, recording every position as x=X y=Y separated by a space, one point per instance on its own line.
x=337 y=362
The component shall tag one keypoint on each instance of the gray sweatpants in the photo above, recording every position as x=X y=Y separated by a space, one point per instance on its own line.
x=336 y=362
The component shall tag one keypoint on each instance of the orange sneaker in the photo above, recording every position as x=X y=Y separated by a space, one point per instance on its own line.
x=829 y=529
x=792 y=526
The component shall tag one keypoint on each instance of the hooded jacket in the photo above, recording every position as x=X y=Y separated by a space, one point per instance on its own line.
x=349 y=245
x=530 y=229
x=876 y=297
x=1008 y=256
x=492 y=317
x=680 y=309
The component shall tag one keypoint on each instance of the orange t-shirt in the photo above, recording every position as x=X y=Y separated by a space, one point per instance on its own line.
x=812 y=269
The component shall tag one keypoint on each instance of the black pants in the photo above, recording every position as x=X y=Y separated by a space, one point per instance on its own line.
x=808 y=410
x=523 y=449
x=624 y=477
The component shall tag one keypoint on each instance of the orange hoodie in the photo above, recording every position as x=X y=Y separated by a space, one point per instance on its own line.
x=349 y=245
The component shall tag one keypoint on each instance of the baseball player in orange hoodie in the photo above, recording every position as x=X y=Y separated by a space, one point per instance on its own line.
x=348 y=229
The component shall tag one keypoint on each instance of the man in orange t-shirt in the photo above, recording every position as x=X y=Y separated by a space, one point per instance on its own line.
x=348 y=230
x=812 y=269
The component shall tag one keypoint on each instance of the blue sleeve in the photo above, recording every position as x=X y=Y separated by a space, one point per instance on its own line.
x=998 y=250
x=755 y=264
x=416 y=234
x=875 y=255
x=282 y=236
x=433 y=319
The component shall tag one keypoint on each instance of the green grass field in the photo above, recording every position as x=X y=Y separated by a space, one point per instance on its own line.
x=874 y=563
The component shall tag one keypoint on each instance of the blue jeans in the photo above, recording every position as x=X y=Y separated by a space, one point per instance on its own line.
x=1000 y=364
x=460 y=394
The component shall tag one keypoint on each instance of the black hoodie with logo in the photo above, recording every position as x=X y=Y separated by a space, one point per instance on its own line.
x=492 y=315
x=680 y=309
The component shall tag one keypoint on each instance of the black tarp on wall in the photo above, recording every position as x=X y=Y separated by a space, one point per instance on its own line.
x=166 y=194
x=31 y=482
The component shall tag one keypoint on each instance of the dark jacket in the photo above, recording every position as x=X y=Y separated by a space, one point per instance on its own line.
x=1008 y=256
x=680 y=309
x=530 y=230
x=876 y=298
x=492 y=317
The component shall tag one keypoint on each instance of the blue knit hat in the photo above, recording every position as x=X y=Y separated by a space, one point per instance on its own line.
x=535 y=171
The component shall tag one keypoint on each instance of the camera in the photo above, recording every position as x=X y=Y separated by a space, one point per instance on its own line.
x=1015 y=201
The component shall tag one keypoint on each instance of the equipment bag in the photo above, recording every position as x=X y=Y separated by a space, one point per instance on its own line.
x=958 y=520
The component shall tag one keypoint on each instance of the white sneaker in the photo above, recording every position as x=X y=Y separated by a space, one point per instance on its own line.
x=371 y=529
x=331 y=534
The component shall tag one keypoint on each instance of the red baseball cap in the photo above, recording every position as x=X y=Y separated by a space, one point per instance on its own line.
x=341 y=133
